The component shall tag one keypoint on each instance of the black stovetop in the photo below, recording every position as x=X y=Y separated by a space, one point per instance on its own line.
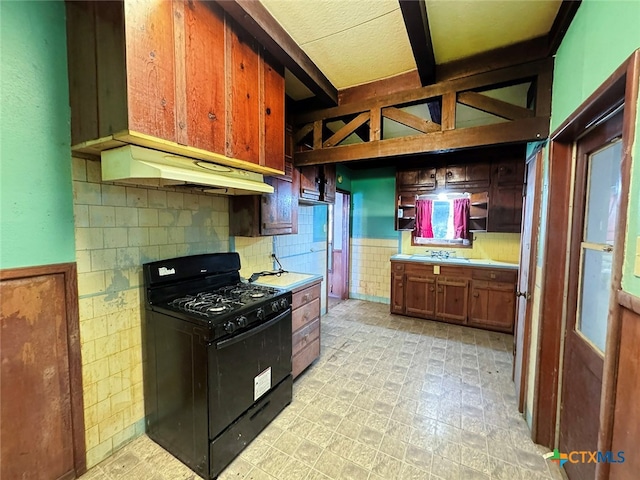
x=223 y=301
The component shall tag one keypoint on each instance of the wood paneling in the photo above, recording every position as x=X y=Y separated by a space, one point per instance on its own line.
x=151 y=90
x=256 y=19
x=244 y=116
x=380 y=88
x=273 y=113
x=626 y=421
x=41 y=412
x=204 y=75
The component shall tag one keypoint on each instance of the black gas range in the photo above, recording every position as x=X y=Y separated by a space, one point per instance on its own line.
x=217 y=358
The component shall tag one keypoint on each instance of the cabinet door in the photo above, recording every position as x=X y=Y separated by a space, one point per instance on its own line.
x=427 y=178
x=397 y=293
x=492 y=305
x=451 y=301
x=509 y=171
x=204 y=76
x=273 y=114
x=478 y=174
x=310 y=182
x=150 y=67
x=407 y=178
x=505 y=209
x=455 y=174
x=245 y=108
x=329 y=183
x=420 y=295
x=277 y=208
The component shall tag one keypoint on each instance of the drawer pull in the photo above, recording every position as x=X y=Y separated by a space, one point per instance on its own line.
x=431 y=289
x=306 y=315
x=493 y=275
x=476 y=294
x=305 y=297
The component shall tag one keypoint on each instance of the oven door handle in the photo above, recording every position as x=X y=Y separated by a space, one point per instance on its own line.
x=239 y=338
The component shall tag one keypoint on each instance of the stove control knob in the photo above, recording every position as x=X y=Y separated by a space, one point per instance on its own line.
x=230 y=327
x=274 y=306
x=241 y=321
x=283 y=303
x=260 y=314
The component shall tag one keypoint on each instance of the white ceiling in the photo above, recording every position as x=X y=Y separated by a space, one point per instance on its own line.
x=359 y=41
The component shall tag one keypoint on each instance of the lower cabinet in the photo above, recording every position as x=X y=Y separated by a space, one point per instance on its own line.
x=305 y=325
x=479 y=297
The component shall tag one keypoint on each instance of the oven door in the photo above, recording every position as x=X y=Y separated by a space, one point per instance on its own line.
x=243 y=368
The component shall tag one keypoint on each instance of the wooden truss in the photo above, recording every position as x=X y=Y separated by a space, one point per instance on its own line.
x=365 y=118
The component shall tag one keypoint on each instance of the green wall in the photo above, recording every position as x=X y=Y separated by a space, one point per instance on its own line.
x=373 y=203
x=602 y=35
x=343 y=173
x=36 y=202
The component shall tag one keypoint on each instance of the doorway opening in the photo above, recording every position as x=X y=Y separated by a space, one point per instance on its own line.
x=338 y=249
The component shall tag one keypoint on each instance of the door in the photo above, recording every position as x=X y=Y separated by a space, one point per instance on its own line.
x=596 y=202
x=451 y=299
x=528 y=244
x=339 y=246
x=420 y=295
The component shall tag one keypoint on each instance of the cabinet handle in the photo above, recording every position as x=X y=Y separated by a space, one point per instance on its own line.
x=431 y=289
x=268 y=111
x=492 y=275
x=476 y=294
x=306 y=316
x=449 y=174
x=305 y=297
x=439 y=289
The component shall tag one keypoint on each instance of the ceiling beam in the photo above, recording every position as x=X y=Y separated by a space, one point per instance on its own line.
x=253 y=17
x=566 y=12
x=414 y=13
x=517 y=131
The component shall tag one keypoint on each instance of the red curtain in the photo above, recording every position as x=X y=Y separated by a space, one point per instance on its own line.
x=460 y=218
x=424 y=211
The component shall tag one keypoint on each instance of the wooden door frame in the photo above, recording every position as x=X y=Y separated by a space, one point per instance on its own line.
x=620 y=87
x=69 y=271
x=346 y=252
x=533 y=263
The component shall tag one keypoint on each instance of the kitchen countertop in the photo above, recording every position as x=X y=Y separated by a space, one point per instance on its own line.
x=473 y=262
x=289 y=280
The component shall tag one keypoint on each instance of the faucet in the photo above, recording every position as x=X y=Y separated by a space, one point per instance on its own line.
x=442 y=254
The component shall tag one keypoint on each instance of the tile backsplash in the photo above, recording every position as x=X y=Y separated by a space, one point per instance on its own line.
x=118 y=228
x=502 y=247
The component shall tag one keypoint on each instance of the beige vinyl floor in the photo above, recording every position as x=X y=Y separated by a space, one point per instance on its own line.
x=390 y=398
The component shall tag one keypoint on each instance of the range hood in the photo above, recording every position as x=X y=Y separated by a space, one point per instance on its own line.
x=143 y=166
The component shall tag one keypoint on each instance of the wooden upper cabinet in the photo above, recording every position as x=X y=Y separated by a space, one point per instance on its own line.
x=310 y=182
x=244 y=120
x=329 y=183
x=468 y=175
x=318 y=183
x=175 y=75
x=422 y=179
x=150 y=66
x=273 y=113
x=205 y=98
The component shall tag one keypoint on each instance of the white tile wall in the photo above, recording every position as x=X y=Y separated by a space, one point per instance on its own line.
x=299 y=253
x=118 y=228
x=371 y=269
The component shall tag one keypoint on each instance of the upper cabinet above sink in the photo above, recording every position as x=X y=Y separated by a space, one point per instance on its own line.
x=179 y=76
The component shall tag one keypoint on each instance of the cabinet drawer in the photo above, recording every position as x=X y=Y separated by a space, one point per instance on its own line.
x=397 y=267
x=305 y=296
x=305 y=314
x=495 y=275
x=304 y=358
x=305 y=336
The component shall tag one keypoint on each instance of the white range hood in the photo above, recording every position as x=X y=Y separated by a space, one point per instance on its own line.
x=143 y=166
